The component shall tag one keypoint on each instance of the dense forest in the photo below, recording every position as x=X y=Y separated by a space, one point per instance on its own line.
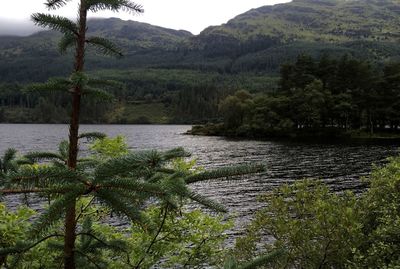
x=327 y=96
x=145 y=96
x=174 y=76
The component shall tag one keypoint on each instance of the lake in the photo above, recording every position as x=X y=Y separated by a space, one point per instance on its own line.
x=339 y=165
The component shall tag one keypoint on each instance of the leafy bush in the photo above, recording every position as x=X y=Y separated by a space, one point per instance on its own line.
x=321 y=229
x=13 y=227
x=381 y=219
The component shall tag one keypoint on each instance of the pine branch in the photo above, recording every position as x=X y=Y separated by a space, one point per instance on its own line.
x=23 y=161
x=60 y=189
x=55 y=211
x=79 y=79
x=206 y=202
x=55 y=22
x=132 y=198
x=44 y=156
x=119 y=205
x=92 y=135
x=22 y=247
x=116 y=245
x=105 y=46
x=66 y=42
x=133 y=164
x=9 y=155
x=114 y=5
x=226 y=172
x=98 y=94
x=135 y=186
x=63 y=149
x=44 y=176
x=87 y=163
x=90 y=259
x=6 y=163
x=21 y=191
x=52 y=85
x=55 y=4
x=175 y=153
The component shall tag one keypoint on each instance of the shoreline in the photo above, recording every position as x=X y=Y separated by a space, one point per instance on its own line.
x=350 y=137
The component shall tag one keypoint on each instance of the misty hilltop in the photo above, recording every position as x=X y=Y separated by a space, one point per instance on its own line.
x=259 y=40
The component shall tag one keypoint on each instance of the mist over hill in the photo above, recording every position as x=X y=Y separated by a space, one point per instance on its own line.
x=259 y=40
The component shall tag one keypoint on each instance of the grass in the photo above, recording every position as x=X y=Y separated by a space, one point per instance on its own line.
x=142 y=113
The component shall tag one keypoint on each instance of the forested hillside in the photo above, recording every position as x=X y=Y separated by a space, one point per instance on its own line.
x=35 y=57
x=163 y=67
x=261 y=39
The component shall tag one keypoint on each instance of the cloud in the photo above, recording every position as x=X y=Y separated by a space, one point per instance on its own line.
x=17 y=27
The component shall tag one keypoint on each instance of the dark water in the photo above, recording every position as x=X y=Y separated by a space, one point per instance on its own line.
x=340 y=165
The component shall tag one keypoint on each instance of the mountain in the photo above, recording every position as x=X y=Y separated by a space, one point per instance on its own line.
x=316 y=21
x=274 y=34
x=138 y=35
x=259 y=40
x=35 y=57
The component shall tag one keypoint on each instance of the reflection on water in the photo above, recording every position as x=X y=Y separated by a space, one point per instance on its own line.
x=340 y=165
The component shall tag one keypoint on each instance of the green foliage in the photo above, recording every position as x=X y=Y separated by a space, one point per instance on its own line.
x=381 y=219
x=189 y=239
x=13 y=228
x=275 y=30
x=14 y=225
x=321 y=229
x=113 y=5
x=257 y=41
x=145 y=96
x=105 y=46
x=55 y=22
x=55 y=4
x=326 y=98
x=140 y=113
x=297 y=216
x=7 y=163
x=173 y=237
x=231 y=263
x=123 y=182
x=235 y=108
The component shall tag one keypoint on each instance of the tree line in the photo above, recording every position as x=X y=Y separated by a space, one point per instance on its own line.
x=327 y=95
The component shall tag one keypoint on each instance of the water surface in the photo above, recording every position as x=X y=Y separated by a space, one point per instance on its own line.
x=340 y=165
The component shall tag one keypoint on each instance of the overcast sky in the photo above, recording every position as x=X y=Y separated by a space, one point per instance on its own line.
x=191 y=15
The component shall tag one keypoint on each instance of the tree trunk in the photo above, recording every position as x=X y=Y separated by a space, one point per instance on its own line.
x=371 y=124
x=70 y=221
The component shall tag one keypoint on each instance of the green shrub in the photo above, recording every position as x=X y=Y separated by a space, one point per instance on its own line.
x=381 y=219
x=322 y=229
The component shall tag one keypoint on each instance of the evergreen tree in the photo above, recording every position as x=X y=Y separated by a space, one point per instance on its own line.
x=123 y=183
x=74 y=35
